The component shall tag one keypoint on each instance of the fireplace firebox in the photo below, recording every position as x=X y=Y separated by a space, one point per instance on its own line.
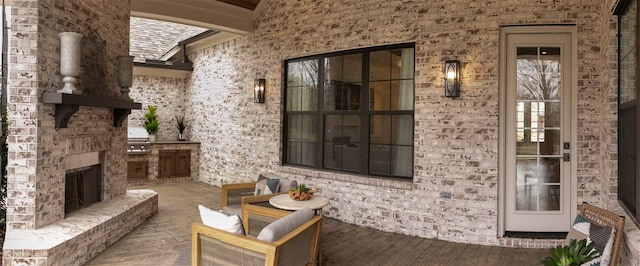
x=82 y=188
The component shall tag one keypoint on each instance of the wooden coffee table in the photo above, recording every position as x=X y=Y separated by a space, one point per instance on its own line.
x=286 y=203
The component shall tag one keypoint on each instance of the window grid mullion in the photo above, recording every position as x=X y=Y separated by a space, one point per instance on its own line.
x=364 y=116
x=319 y=162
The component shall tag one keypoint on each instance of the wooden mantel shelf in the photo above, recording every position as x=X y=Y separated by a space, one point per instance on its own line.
x=68 y=104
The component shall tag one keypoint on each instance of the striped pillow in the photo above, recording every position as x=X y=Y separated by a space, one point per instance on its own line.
x=601 y=236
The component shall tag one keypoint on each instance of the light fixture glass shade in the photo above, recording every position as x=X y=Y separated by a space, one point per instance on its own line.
x=259 y=90
x=452 y=78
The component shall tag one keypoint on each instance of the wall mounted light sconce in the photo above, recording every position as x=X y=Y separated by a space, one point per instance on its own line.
x=452 y=78
x=259 y=90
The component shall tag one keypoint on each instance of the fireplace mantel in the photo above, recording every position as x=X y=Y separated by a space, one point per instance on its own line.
x=68 y=104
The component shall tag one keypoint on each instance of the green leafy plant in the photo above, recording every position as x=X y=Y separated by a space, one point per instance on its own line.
x=152 y=124
x=576 y=253
x=182 y=123
x=301 y=188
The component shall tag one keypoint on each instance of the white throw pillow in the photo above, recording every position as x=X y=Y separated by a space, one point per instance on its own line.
x=605 y=258
x=218 y=220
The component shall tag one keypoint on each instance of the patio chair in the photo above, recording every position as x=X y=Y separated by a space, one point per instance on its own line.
x=234 y=195
x=603 y=217
x=298 y=246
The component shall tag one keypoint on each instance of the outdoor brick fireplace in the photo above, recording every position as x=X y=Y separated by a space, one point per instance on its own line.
x=55 y=214
x=82 y=188
x=82 y=185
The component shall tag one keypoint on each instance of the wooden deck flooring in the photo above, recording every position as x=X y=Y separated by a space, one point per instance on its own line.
x=162 y=238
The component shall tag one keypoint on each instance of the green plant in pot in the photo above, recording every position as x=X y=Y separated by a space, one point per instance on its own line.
x=182 y=125
x=576 y=253
x=302 y=192
x=151 y=124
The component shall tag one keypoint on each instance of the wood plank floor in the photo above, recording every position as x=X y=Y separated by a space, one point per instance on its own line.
x=162 y=238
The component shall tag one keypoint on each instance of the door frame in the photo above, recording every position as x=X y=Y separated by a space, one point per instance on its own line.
x=535 y=29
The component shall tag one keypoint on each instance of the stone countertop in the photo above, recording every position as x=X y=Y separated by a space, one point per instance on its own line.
x=174 y=142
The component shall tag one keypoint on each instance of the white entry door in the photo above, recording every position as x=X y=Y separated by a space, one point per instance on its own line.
x=538 y=132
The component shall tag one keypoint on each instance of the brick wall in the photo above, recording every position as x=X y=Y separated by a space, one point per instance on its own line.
x=454 y=194
x=165 y=93
x=37 y=148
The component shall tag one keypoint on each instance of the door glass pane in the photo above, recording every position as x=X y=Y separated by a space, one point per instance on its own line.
x=537 y=125
x=535 y=186
x=551 y=114
x=538 y=73
x=549 y=142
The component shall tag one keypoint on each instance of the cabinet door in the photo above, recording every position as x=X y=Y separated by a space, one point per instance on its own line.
x=137 y=169
x=183 y=163
x=166 y=163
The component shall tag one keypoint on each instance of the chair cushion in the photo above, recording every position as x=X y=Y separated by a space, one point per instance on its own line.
x=283 y=186
x=286 y=184
x=284 y=225
x=267 y=186
x=601 y=236
x=221 y=221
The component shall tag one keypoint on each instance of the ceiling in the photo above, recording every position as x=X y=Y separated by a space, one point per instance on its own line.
x=248 y=4
x=233 y=16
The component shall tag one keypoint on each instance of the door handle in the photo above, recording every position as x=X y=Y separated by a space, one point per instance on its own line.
x=566 y=157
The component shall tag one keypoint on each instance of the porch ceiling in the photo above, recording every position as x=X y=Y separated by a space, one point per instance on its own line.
x=235 y=16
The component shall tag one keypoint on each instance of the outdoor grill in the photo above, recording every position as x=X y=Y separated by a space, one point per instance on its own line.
x=138 y=140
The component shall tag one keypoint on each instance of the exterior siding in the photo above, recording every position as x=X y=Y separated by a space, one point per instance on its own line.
x=165 y=93
x=454 y=194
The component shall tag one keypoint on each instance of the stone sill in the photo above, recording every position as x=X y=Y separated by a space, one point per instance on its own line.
x=350 y=178
x=77 y=223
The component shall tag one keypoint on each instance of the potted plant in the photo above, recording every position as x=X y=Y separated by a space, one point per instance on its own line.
x=182 y=125
x=151 y=125
x=576 y=253
x=302 y=192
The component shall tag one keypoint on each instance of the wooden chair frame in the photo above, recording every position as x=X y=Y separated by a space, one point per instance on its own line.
x=603 y=217
x=224 y=195
x=270 y=250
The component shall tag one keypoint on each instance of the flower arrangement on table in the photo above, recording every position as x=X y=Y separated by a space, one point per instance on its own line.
x=301 y=192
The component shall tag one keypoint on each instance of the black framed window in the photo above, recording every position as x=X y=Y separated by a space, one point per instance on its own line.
x=351 y=111
x=628 y=118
